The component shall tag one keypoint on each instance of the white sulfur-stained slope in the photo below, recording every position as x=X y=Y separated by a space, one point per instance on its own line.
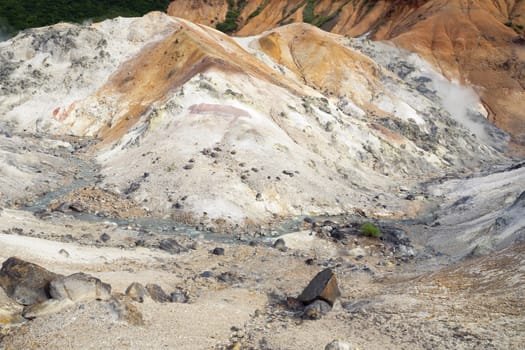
x=196 y=126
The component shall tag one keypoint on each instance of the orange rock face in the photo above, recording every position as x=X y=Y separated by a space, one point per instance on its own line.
x=207 y=12
x=476 y=42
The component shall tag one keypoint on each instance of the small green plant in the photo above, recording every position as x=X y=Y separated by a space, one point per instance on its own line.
x=371 y=230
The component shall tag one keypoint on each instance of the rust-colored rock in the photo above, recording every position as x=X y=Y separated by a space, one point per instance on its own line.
x=322 y=287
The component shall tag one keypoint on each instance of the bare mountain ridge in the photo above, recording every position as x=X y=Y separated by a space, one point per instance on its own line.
x=478 y=43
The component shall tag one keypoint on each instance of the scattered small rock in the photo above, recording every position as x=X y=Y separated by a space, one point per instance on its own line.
x=104 y=237
x=229 y=277
x=64 y=253
x=63 y=207
x=280 y=244
x=288 y=172
x=309 y=261
x=218 y=251
x=136 y=292
x=206 y=274
x=338 y=345
x=132 y=188
x=178 y=296
x=172 y=246
x=316 y=310
x=188 y=166
x=157 y=293
x=77 y=207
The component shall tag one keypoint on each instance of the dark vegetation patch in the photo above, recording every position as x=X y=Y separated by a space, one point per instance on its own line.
x=232 y=16
x=22 y=14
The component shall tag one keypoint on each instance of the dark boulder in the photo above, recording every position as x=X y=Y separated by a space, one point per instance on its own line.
x=25 y=282
x=322 y=287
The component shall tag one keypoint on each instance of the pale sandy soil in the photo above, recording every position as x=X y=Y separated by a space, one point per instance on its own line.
x=381 y=306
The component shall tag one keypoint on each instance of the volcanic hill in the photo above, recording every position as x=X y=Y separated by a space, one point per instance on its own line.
x=475 y=42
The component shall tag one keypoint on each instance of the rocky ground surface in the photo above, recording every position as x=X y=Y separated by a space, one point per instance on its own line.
x=179 y=287
x=242 y=295
x=362 y=208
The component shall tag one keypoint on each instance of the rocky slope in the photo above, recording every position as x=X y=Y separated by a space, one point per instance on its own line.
x=480 y=43
x=180 y=108
x=228 y=172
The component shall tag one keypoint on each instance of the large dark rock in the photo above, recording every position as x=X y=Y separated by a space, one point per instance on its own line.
x=25 y=282
x=322 y=287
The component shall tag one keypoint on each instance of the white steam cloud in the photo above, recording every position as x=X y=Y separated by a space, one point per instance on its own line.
x=463 y=105
x=460 y=101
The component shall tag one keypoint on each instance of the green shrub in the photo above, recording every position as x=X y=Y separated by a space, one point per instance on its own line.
x=371 y=230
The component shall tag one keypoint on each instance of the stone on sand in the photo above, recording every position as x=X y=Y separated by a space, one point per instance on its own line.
x=322 y=287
